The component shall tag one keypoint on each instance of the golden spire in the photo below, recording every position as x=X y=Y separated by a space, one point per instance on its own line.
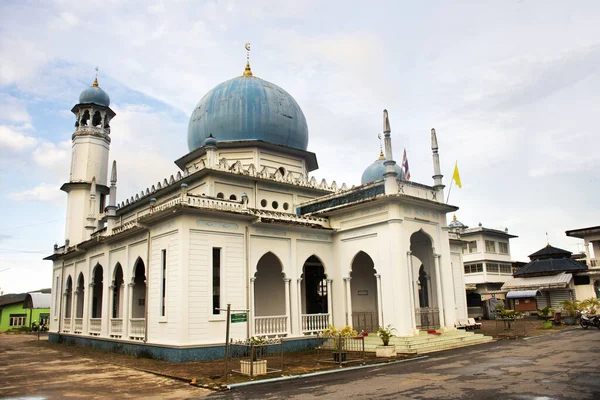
x=381 y=156
x=95 y=84
x=454 y=218
x=247 y=71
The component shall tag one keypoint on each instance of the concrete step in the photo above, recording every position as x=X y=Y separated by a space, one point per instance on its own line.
x=427 y=343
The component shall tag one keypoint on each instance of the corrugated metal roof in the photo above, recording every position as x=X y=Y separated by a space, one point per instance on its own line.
x=520 y=294
x=549 y=265
x=37 y=300
x=538 y=282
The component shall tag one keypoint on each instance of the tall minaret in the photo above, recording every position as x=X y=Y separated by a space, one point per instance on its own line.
x=390 y=175
x=437 y=174
x=89 y=163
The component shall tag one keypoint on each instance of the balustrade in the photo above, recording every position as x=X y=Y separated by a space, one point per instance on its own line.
x=116 y=327
x=78 y=325
x=312 y=323
x=137 y=328
x=271 y=325
x=95 y=326
x=66 y=325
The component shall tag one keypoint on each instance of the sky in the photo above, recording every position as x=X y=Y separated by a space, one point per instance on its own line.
x=511 y=87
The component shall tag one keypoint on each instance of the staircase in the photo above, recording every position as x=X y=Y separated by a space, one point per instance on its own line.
x=427 y=343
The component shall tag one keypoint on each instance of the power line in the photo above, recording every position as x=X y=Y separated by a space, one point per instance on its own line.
x=24 y=251
x=27 y=226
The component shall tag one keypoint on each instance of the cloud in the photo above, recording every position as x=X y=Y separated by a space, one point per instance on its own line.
x=42 y=192
x=15 y=141
x=51 y=155
x=4 y=237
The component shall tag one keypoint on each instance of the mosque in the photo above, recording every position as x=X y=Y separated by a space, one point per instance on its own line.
x=243 y=223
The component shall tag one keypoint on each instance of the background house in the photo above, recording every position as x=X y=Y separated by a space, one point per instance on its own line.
x=549 y=278
x=19 y=310
x=588 y=282
x=487 y=264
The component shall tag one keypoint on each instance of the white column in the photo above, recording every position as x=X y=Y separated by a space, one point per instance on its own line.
x=348 y=302
x=108 y=315
x=330 y=300
x=379 y=300
x=412 y=289
x=438 y=285
x=287 y=305
x=299 y=298
x=128 y=310
x=251 y=307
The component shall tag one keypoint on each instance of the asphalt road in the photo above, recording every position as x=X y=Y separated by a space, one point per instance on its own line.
x=559 y=366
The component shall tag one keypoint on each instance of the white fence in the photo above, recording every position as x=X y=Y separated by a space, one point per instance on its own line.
x=313 y=323
x=271 y=325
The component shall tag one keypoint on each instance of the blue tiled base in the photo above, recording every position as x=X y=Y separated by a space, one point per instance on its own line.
x=173 y=354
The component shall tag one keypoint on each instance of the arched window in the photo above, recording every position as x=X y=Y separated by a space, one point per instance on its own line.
x=233 y=197
x=220 y=196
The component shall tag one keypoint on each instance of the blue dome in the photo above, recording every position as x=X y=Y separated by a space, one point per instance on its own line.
x=94 y=95
x=375 y=171
x=248 y=108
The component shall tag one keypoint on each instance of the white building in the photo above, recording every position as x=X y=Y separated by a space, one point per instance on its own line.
x=487 y=264
x=244 y=223
x=588 y=283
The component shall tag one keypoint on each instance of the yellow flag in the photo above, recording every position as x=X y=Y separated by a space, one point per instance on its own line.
x=456 y=176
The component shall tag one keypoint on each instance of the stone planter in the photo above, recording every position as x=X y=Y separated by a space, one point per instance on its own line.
x=259 y=367
x=385 y=351
x=569 y=320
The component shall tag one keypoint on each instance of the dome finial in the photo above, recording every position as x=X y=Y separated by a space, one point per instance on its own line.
x=381 y=156
x=95 y=84
x=247 y=70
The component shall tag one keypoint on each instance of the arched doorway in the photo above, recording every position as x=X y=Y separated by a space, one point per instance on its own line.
x=271 y=302
x=314 y=296
x=118 y=291
x=97 y=288
x=68 y=305
x=137 y=322
x=427 y=312
x=363 y=293
x=79 y=299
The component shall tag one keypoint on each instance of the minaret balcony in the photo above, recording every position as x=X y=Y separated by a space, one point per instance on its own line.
x=92 y=130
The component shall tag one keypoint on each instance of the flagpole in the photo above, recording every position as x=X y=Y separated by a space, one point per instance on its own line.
x=451 y=182
x=449 y=190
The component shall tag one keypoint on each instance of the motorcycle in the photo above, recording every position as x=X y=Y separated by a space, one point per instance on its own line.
x=586 y=321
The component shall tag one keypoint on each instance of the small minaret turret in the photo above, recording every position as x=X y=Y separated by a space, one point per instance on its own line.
x=111 y=209
x=437 y=174
x=89 y=163
x=211 y=151
x=390 y=175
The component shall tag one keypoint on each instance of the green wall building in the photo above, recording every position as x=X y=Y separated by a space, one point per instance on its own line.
x=19 y=311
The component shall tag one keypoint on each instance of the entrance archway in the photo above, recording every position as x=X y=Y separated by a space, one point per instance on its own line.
x=137 y=321
x=97 y=284
x=363 y=293
x=270 y=299
x=427 y=301
x=314 y=296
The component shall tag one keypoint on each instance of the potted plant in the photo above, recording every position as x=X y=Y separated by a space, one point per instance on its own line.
x=545 y=313
x=386 y=350
x=591 y=304
x=570 y=309
x=254 y=365
x=339 y=337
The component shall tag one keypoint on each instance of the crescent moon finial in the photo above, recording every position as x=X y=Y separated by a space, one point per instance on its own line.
x=247 y=71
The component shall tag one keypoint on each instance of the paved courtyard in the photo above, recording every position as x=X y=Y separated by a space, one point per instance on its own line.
x=562 y=365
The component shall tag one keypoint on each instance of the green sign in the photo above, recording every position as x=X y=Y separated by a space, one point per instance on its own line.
x=243 y=317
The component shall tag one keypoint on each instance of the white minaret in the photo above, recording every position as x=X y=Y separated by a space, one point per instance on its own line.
x=390 y=175
x=437 y=174
x=111 y=209
x=87 y=187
